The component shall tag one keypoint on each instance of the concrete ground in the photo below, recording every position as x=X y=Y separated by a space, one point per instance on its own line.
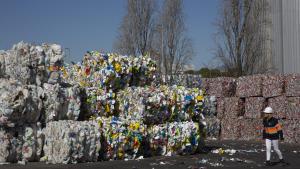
x=237 y=154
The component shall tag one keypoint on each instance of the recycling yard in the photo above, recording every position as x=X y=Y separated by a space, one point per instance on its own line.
x=112 y=111
x=154 y=84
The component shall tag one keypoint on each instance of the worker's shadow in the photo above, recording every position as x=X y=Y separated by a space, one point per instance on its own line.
x=277 y=163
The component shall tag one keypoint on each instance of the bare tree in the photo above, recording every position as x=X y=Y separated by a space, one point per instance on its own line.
x=176 y=47
x=242 y=38
x=136 y=30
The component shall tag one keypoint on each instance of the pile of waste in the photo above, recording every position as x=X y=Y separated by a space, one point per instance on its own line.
x=110 y=71
x=106 y=107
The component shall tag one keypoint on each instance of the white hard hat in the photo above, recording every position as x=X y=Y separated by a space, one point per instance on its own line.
x=268 y=110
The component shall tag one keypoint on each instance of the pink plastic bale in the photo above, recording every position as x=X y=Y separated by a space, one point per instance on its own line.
x=293 y=108
x=248 y=86
x=278 y=104
x=222 y=87
x=272 y=85
x=254 y=106
x=230 y=129
x=291 y=131
x=233 y=107
x=251 y=129
x=292 y=85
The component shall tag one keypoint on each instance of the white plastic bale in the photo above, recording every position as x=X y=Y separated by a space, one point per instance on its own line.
x=61 y=103
x=30 y=144
x=2 y=63
x=71 y=141
x=32 y=64
x=54 y=53
x=40 y=139
x=54 y=61
x=4 y=146
x=20 y=103
x=19 y=144
x=53 y=101
x=23 y=62
x=210 y=106
x=73 y=102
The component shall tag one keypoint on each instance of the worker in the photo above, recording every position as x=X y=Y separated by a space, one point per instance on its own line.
x=272 y=133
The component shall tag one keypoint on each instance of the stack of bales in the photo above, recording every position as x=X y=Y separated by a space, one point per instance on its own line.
x=241 y=114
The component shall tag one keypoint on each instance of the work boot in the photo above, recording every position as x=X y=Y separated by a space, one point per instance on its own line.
x=268 y=163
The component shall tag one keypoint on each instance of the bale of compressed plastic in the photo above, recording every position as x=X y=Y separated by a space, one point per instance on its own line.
x=54 y=62
x=220 y=108
x=2 y=63
x=158 y=139
x=110 y=71
x=234 y=107
x=210 y=106
x=230 y=129
x=273 y=85
x=122 y=138
x=291 y=131
x=183 y=137
x=157 y=105
x=19 y=63
x=247 y=86
x=213 y=128
x=222 y=87
x=279 y=106
x=32 y=64
x=292 y=85
x=30 y=144
x=73 y=102
x=54 y=102
x=5 y=146
x=69 y=141
x=293 y=108
x=20 y=103
x=254 y=106
x=20 y=143
x=251 y=129
x=61 y=103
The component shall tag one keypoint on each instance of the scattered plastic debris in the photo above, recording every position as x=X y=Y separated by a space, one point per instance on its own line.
x=230 y=151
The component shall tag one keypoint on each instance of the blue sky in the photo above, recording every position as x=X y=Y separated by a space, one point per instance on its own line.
x=83 y=25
